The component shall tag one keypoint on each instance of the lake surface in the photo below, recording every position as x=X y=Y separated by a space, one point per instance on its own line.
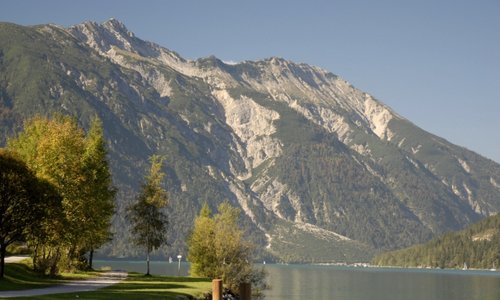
x=350 y=283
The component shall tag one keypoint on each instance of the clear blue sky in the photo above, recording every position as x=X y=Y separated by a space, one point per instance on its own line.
x=435 y=62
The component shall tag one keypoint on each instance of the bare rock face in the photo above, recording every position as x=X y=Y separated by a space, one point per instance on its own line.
x=317 y=166
x=253 y=125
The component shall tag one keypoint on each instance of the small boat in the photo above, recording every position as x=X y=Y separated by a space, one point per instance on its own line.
x=465 y=267
x=170 y=260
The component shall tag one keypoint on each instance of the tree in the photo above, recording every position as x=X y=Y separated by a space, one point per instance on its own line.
x=53 y=150
x=24 y=201
x=149 y=222
x=99 y=191
x=46 y=236
x=201 y=242
x=58 y=151
x=217 y=249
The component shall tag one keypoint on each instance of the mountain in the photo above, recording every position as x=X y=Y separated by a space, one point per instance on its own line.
x=321 y=170
x=474 y=247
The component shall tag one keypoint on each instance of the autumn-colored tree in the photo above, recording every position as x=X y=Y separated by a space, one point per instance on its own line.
x=201 y=242
x=24 y=201
x=46 y=237
x=149 y=222
x=58 y=151
x=217 y=249
x=99 y=191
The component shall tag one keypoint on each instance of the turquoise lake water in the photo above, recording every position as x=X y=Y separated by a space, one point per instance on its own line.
x=350 y=283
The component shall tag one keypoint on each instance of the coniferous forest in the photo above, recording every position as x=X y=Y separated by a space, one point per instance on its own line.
x=474 y=247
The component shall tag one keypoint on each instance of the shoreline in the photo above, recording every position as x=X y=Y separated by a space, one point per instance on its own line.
x=354 y=266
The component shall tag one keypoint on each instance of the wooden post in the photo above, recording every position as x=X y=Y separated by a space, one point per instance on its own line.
x=245 y=291
x=217 y=289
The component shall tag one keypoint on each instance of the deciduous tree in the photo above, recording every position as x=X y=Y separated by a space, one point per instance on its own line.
x=217 y=249
x=99 y=191
x=149 y=222
x=58 y=151
x=24 y=201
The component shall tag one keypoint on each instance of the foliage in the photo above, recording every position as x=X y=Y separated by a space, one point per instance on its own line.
x=217 y=249
x=99 y=191
x=149 y=222
x=18 y=248
x=24 y=201
x=477 y=247
x=47 y=237
x=58 y=152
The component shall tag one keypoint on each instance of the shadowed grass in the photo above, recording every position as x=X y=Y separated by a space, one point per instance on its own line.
x=137 y=286
x=19 y=276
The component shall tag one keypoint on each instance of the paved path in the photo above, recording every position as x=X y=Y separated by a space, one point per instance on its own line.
x=14 y=259
x=74 y=286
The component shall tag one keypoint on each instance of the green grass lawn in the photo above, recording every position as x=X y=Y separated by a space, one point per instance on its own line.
x=136 y=286
x=20 y=276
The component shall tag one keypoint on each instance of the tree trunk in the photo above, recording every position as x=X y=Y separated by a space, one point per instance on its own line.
x=245 y=291
x=54 y=268
x=2 y=258
x=91 y=257
x=147 y=259
x=35 y=256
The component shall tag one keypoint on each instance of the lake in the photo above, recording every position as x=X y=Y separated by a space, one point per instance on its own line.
x=353 y=283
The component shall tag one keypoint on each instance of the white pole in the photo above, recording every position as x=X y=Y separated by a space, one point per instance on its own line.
x=179 y=266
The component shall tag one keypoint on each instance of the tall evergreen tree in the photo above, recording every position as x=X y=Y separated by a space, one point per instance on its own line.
x=149 y=222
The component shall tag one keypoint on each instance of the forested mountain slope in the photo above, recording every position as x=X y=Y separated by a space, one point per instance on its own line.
x=477 y=246
x=321 y=170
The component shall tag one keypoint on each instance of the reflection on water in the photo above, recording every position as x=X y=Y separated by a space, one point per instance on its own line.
x=346 y=283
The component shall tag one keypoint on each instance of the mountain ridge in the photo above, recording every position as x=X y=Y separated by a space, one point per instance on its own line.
x=289 y=143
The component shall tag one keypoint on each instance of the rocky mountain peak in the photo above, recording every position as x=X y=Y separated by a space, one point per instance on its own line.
x=114 y=25
x=112 y=33
x=210 y=62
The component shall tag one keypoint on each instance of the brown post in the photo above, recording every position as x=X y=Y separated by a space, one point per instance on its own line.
x=217 y=289
x=245 y=291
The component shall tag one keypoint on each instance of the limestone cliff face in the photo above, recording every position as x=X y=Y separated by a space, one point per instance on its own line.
x=321 y=170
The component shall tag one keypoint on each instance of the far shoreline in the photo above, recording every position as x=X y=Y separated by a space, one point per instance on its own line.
x=352 y=266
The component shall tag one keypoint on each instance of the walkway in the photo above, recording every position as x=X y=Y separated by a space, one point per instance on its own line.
x=87 y=285
x=15 y=259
